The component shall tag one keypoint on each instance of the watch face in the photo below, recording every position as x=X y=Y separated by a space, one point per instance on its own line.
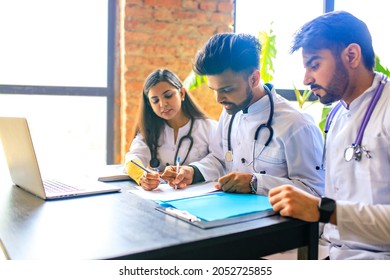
x=327 y=204
x=326 y=208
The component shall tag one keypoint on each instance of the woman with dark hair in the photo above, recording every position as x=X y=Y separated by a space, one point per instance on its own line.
x=171 y=127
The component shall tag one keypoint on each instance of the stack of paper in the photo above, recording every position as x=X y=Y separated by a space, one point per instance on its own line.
x=166 y=192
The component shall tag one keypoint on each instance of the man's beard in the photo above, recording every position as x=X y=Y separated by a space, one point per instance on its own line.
x=243 y=105
x=337 y=85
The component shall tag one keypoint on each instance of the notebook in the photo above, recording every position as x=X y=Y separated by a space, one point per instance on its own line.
x=113 y=173
x=24 y=169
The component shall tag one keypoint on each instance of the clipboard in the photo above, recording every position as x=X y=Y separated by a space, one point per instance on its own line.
x=218 y=209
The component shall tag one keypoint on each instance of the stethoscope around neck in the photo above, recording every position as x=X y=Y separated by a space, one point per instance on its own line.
x=267 y=125
x=154 y=162
x=356 y=149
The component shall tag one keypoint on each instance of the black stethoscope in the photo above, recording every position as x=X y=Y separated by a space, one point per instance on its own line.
x=355 y=150
x=154 y=162
x=267 y=125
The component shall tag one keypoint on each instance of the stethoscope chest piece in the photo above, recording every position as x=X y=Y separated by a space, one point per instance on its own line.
x=348 y=153
x=154 y=162
x=356 y=150
x=229 y=156
x=353 y=152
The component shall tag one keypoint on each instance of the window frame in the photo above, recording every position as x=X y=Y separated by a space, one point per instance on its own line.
x=110 y=91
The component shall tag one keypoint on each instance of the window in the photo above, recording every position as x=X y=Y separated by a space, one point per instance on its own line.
x=286 y=18
x=67 y=131
x=373 y=13
x=54 y=43
x=57 y=71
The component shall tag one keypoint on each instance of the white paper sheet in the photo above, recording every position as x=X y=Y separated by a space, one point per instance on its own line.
x=166 y=192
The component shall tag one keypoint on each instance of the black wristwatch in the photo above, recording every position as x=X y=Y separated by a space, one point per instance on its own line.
x=326 y=206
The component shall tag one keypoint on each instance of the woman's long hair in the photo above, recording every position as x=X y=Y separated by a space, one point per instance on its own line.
x=149 y=124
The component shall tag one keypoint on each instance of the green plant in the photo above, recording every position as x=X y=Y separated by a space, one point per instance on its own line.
x=267 y=55
x=193 y=81
x=380 y=68
x=302 y=97
x=325 y=112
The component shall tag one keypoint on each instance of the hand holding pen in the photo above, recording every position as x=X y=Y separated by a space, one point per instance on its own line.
x=170 y=173
x=150 y=179
x=180 y=179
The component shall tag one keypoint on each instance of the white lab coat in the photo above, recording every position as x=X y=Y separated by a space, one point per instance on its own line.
x=202 y=133
x=290 y=158
x=361 y=188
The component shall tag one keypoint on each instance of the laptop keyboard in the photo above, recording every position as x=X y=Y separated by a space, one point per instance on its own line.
x=58 y=187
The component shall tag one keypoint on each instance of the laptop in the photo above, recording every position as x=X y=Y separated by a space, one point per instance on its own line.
x=24 y=169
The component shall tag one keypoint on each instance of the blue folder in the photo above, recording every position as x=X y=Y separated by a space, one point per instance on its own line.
x=220 y=208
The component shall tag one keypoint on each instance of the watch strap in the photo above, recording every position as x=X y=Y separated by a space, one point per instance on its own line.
x=326 y=208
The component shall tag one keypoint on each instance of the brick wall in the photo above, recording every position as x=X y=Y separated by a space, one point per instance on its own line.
x=166 y=34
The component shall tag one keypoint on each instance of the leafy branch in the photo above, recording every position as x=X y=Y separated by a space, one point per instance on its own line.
x=267 y=55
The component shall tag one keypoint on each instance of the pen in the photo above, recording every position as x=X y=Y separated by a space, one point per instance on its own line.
x=182 y=214
x=177 y=167
x=147 y=170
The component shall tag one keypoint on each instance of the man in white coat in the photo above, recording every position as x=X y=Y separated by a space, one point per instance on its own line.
x=339 y=59
x=262 y=141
